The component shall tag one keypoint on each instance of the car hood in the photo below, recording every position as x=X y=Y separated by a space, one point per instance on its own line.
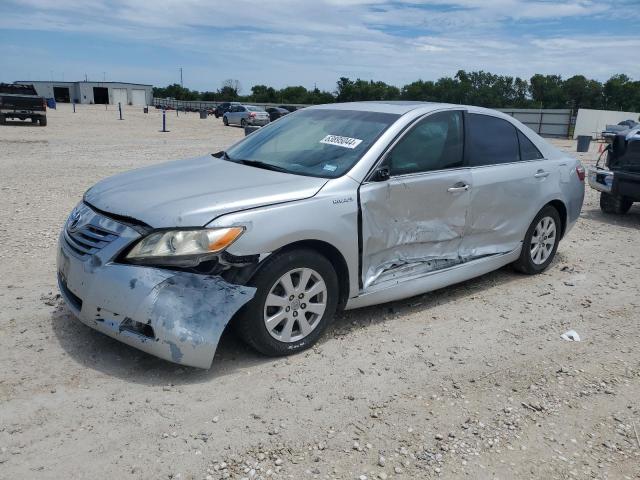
x=191 y=193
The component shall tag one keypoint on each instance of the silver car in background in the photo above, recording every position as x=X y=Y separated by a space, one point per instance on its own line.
x=244 y=115
x=332 y=207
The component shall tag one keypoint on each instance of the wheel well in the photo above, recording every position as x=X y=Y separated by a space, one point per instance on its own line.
x=562 y=211
x=336 y=259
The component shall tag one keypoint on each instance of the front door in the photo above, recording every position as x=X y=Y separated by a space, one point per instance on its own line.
x=413 y=222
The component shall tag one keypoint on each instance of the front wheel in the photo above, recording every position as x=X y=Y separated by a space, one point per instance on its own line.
x=225 y=120
x=614 y=204
x=296 y=298
x=540 y=242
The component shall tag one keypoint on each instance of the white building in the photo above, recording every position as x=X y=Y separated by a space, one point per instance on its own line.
x=94 y=92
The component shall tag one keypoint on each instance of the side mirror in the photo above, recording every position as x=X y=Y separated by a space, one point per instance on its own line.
x=382 y=174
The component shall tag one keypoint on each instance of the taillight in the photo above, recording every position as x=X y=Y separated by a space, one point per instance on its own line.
x=252 y=114
x=580 y=172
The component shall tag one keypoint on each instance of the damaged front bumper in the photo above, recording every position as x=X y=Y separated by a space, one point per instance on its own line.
x=177 y=316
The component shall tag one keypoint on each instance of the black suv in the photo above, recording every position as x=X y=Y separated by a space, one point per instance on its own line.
x=223 y=108
x=619 y=180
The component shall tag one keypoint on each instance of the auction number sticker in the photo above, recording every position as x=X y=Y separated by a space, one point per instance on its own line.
x=338 y=141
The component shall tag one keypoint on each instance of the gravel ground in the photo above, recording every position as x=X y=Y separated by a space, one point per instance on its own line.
x=469 y=381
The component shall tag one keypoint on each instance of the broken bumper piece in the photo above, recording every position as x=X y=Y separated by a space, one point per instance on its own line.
x=177 y=316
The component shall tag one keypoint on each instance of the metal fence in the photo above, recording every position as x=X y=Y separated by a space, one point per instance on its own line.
x=194 y=106
x=545 y=122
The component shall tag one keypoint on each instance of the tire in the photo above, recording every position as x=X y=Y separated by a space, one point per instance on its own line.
x=534 y=260
x=216 y=114
x=614 y=204
x=34 y=120
x=3 y=119
x=225 y=120
x=243 y=123
x=289 y=309
x=43 y=121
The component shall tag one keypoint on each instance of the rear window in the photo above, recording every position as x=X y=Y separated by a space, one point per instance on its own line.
x=251 y=108
x=490 y=141
x=320 y=143
x=528 y=151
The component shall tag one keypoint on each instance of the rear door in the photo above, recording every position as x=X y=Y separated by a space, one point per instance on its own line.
x=236 y=113
x=231 y=114
x=413 y=222
x=509 y=177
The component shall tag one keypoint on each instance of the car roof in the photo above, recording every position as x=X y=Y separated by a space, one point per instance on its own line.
x=402 y=107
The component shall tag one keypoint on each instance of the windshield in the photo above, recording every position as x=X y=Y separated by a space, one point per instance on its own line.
x=320 y=143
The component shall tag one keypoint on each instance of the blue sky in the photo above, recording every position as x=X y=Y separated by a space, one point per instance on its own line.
x=300 y=42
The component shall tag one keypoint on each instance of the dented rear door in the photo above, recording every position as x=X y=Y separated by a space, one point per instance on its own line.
x=413 y=222
x=510 y=178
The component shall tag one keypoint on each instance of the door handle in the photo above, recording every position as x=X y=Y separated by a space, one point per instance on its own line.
x=458 y=188
x=541 y=174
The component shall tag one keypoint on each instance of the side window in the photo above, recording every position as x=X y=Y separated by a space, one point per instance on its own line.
x=528 y=151
x=490 y=141
x=435 y=143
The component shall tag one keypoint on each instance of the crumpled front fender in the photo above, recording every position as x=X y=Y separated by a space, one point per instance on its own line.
x=177 y=316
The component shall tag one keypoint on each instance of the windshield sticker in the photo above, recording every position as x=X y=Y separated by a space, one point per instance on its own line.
x=339 y=141
x=331 y=168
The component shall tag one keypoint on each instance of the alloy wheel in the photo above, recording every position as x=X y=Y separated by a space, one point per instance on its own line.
x=295 y=305
x=543 y=240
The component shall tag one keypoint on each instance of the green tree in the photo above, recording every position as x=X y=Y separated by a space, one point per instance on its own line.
x=547 y=91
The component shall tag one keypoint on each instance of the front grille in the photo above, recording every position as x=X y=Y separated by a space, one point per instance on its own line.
x=88 y=239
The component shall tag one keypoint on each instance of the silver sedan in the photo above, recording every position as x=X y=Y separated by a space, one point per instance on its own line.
x=332 y=207
x=245 y=115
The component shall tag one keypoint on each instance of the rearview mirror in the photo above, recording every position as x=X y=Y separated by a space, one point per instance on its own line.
x=381 y=174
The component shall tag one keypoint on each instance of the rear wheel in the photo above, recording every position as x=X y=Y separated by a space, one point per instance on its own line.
x=540 y=242
x=3 y=119
x=34 y=120
x=296 y=298
x=243 y=123
x=614 y=204
x=43 y=121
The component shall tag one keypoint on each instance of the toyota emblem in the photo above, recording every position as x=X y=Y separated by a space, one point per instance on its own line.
x=74 y=220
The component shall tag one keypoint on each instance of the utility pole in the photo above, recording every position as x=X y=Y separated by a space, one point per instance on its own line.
x=181 y=77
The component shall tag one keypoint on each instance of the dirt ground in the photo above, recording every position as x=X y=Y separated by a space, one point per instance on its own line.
x=471 y=381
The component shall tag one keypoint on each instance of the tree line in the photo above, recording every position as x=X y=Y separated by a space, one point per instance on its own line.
x=473 y=88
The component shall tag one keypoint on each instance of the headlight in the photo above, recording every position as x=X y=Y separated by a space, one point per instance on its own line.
x=183 y=247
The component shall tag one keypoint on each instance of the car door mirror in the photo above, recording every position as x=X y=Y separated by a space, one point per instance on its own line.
x=382 y=174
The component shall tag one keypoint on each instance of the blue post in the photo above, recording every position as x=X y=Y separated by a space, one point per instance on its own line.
x=164 y=121
x=120 y=109
x=74 y=107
